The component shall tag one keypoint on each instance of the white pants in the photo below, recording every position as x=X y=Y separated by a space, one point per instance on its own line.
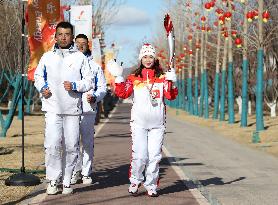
x=61 y=138
x=86 y=155
x=146 y=154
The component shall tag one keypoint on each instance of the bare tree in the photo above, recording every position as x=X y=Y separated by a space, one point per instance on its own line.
x=10 y=35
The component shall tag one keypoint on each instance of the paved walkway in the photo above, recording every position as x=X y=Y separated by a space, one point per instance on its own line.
x=227 y=173
x=224 y=171
x=112 y=157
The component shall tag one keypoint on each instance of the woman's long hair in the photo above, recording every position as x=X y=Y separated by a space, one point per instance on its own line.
x=156 y=66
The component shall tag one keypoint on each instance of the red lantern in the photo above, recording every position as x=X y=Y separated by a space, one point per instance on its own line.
x=215 y=23
x=212 y=4
x=203 y=28
x=265 y=16
x=189 y=38
x=190 y=52
x=234 y=33
x=203 y=19
x=228 y=15
x=249 y=16
x=255 y=13
x=182 y=55
x=208 y=29
x=225 y=34
x=238 y=42
x=219 y=11
x=221 y=19
x=208 y=6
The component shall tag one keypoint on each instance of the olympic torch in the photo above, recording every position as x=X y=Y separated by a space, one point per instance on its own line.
x=168 y=25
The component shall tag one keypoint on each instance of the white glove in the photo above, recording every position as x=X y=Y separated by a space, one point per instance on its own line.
x=171 y=75
x=114 y=68
x=119 y=79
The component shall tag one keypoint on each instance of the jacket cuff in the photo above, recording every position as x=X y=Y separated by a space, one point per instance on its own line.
x=44 y=87
x=73 y=86
x=95 y=98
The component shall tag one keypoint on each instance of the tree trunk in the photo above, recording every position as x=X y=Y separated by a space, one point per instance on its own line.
x=223 y=84
x=245 y=64
x=230 y=73
x=260 y=74
x=239 y=103
x=272 y=107
x=196 y=93
x=216 y=80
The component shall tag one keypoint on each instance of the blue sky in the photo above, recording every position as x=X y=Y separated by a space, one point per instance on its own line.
x=136 y=22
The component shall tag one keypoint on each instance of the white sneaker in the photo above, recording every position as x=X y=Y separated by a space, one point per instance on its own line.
x=52 y=187
x=67 y=190
x=75 y=177
x=133 y=188
x=87 y=180
x=152 y=193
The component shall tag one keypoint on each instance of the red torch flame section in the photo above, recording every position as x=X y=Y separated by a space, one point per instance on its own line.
x=168 y=24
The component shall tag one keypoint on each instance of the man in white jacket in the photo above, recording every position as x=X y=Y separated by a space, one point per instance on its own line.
x=61 y=75
x=90 y=99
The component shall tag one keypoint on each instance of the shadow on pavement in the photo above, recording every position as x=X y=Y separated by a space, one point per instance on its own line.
x=122 y=135
x=219 y=181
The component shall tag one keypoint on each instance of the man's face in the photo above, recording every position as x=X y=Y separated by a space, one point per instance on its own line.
x=82 y=44
x=63 y=37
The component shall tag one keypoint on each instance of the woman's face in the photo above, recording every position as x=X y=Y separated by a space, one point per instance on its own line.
x=148 y=61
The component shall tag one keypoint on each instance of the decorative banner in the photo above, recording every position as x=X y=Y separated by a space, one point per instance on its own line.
x=109 y=54
x=43 y=16
x=64 y=9
x=81 y=18
x=96 y=51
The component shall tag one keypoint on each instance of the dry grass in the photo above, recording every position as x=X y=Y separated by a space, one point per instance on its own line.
x=268 y=137
x=34 y=155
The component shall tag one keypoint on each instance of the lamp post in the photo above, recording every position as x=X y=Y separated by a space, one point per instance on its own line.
x=22 y=178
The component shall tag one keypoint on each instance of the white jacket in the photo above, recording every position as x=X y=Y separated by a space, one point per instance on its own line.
x=99 y=90
x=148 y=91
x=61 y=65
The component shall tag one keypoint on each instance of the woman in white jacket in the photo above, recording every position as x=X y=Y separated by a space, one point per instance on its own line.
x=61 y=75
x=149 y=86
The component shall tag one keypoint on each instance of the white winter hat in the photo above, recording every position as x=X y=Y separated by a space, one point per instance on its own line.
x=147 y=49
